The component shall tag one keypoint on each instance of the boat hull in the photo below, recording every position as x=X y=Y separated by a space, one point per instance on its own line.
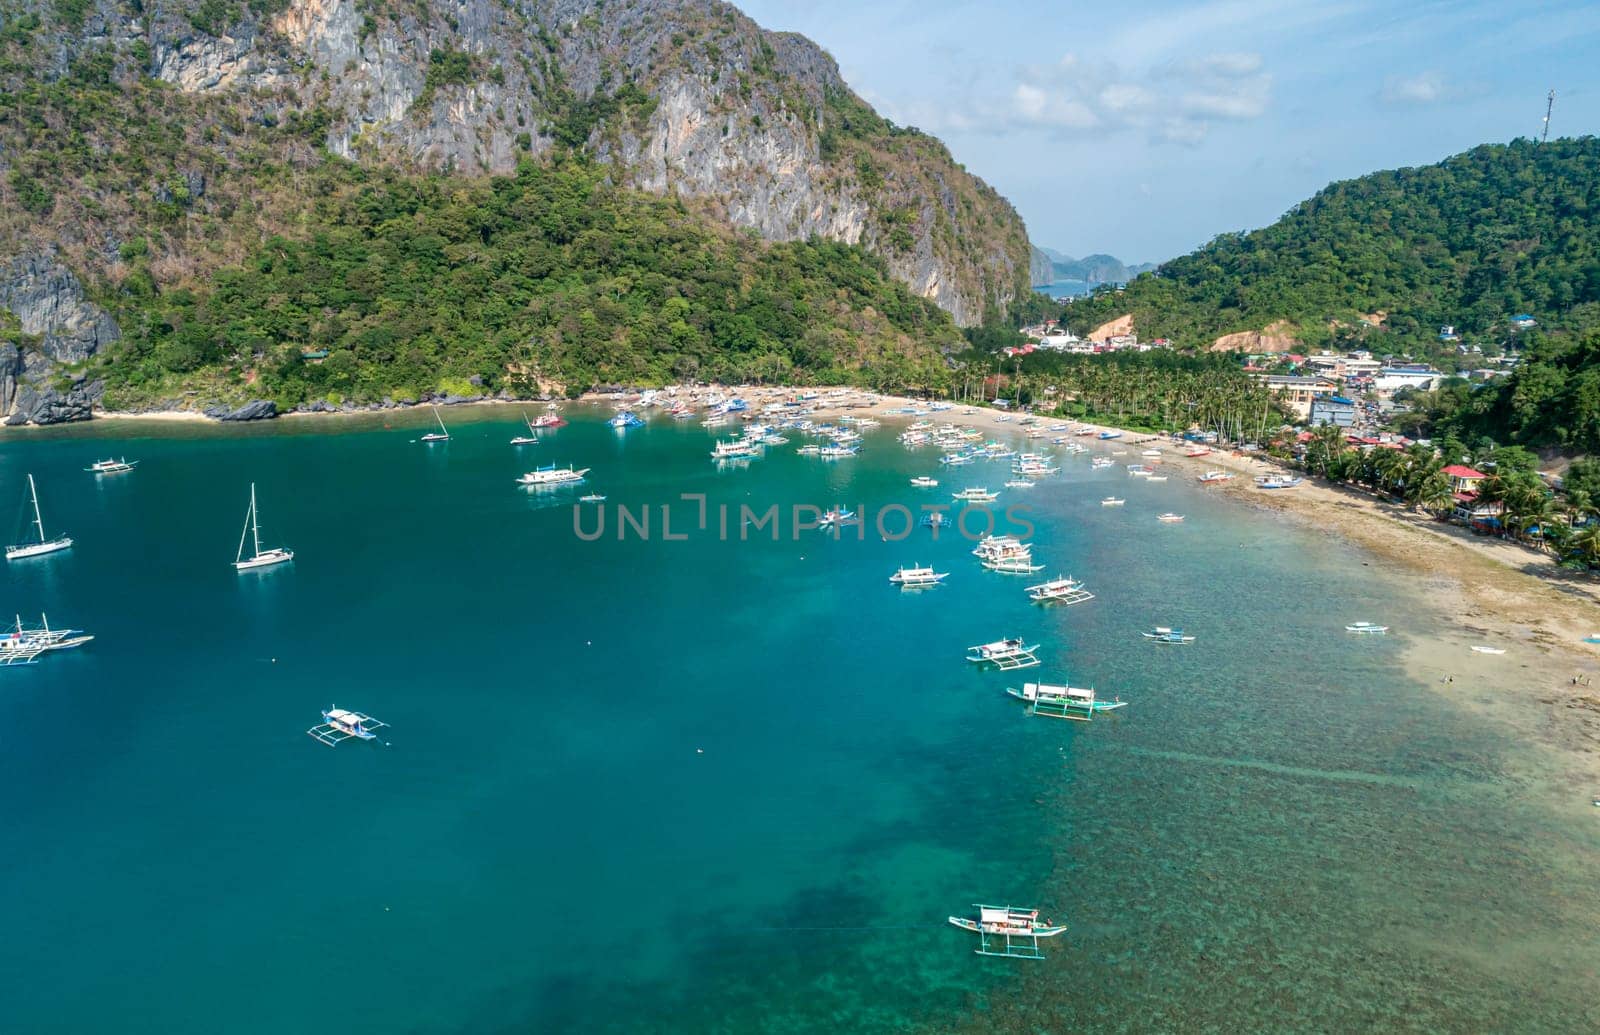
x=14 y=553
x=266 y=559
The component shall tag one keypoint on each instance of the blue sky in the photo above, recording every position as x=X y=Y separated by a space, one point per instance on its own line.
x=1145 y=129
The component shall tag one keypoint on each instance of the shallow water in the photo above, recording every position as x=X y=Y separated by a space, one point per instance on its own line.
x=733 y=786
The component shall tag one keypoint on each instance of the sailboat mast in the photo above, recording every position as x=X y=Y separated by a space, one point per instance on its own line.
x=246 y=530
x=33 y=490
x=255 y=519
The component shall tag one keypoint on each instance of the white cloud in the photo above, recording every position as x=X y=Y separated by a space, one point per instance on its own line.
x=1422 y=88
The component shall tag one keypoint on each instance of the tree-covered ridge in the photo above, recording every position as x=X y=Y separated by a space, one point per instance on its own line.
x=1469 y=242
x=551 y=277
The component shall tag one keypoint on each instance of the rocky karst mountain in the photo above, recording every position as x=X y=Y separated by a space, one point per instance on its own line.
x=681 y=98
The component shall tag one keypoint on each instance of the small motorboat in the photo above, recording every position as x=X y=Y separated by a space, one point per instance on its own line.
x=593 y=497
x=1162 y=634
x=922 y=481
x=1112 y=501
x=1169 y=518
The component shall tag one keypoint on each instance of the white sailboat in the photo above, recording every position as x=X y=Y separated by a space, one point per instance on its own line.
x=443 y=434
x=44 y=545
x=530 y=439
x=252 y=530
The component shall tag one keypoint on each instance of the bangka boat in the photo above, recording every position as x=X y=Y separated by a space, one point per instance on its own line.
x=112 y=466
x=1155 y=478
x=1215 y=476
x=21 y=645
x=1100 y=463
x=550 y=474
x=1162 y=634
x=836 y=517
x=1150 y=452
x=1000 y=546
x=1112 y=501
x=1169 y=518
x=1009 y=931
x=1276 y=481
x=1365 y=627
x=917 y=577
x=550 y=419
x=1060 y=701
x=341 y=724
x=1059 y=591
x=935 y=519
x=1108 y=435
x=252 y=530
x=734 y=450
x=530 y=439
x=955 y=459
x=836 y=452
x=442 y=435
x=1014 y=564
x=1006 y=655
x=924 y=482
x=625 y=419
x=1196 y=451
x=1138 y=470
x=1019 y=483
x=975 y=495
x=44 y=544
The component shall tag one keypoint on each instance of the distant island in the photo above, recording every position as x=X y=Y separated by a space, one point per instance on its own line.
x=1052 y=267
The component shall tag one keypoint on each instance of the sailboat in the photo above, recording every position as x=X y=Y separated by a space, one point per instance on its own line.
x=443 y=434
x=43 y=545
x=530 y=439
x=252 y=531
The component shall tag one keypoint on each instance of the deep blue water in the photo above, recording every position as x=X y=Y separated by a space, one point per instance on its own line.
x=713 y=785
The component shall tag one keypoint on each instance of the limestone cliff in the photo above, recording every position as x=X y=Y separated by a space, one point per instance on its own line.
x=685 y=97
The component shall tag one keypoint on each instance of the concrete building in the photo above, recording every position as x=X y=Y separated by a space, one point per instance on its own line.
x=1297 y=392
x=1332 y=409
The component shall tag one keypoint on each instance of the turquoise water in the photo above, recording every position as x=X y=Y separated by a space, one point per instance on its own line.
x=732 y=786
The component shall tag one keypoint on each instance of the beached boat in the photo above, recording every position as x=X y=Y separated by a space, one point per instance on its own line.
x=1059 y=591
x=1162 y=634
x=1105 y=436
x=1150 y=452
x=1155 y=478
x=341 y=724
x=922 y=481
x=43 y=544
x=550 y=475
x=252 y=531
x=1060 y=701
x=1365 y=627
x=1009 y=931
x=1276 y=481
x=1169 y=518
x=1007 y=655
x=112 y=466
x=918 y=577
x=531 y=438
x=1112 y=501
x=1215 y=476
x=442 y=435
x=1196 y=451
x=975 y=495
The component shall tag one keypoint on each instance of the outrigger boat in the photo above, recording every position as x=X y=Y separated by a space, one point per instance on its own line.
x=21 y=645
x=550 y=474
x=1215 y=476
x=1100 y=463
x=742 y=450
x=991 y=546
x=938 y=519
x=1365 y=627
x=550 y=419
x=1112 y=501
x=1013 y=564
x=43 y=546
x=625 y=419
x=1008 y=931
x=836 y=452
x=1059 y=591
x=922 y=481
x=593 y=497
x=1169 y=518
x=917 y=577
x=1006 y=655
x=112 y=466
x=442 y=435
x=1063 y=701
x=1019 y=483
x=1276 y=481
x=1162 y=634
x=341 y=724
x=976 y=495
x=532 y=438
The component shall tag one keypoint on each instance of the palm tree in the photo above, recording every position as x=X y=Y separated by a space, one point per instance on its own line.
x=1432 y=492
x=1585 y=546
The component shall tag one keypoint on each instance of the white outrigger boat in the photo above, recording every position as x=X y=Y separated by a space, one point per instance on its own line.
x=1008 y=931
x=1170 y=518
x=593 y=497
x=918 y=577
x=341 y=724
x=922 y=481
x=1019 y=483
x=252 y=530
x=1100 y=463
x=551 y=475
x=1020 y=563
x=739 y=450
x=1276 y=481
x=442 y=435
x=1112 y=501
x=836 y=517
x=43 y=545
x=975 y=495
x=1365 y=627
x=1001 y=546
x=21 y=645
x=1162 y=634
x=1060 y=701
x=1059 y=591
x=837 y=452
x=112 y=466
x=1211 y=477
x=1006 y=655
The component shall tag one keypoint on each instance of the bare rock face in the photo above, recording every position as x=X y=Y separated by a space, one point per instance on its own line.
x=761 y=124
x=58 y=327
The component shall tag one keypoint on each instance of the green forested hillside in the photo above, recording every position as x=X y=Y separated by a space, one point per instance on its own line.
x=1499 y=230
